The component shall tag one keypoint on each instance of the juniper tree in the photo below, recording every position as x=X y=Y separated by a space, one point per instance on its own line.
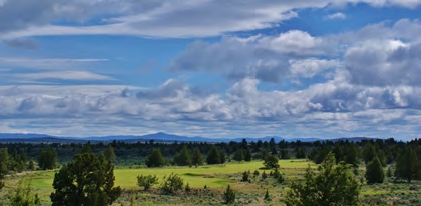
x=47 y=159
x=86 y=180
x=330 y=185
x=183 y=158
x=374 y=172
x=197 y=158
x=155 y=159
x=213 y=156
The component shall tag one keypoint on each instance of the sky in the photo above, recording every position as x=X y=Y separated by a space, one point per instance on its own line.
x=211 y=68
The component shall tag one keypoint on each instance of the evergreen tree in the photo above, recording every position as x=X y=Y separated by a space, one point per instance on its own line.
x=23 y=195
x=155 y=159
x=87 y=180
x=87 y=148
x=197 y=158
x=213 y=156
x=31 y=165
x=285 y=154
x=389 y=172
x=407 y=165
x=109 y=153
x=222 y=156
x=183 y=157
x=4 y=161
x=245 y=177
x=352 y=155
x=300 y=153
x=229 y=195
x=247 y=155
x=187 y=187
x=271 y=161
x=47 y=159
x=267 y=196
x=238 y=155
x=264 y=175
x=372 y=150
x=374 y=172
x=331 y=185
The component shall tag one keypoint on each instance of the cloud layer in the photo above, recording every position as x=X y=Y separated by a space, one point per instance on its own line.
x=178 y=19
x=292 y=83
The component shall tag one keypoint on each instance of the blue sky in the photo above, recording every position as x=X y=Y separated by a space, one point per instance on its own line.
x=211 y=68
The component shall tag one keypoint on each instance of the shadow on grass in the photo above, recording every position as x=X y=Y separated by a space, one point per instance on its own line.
x=193 y=174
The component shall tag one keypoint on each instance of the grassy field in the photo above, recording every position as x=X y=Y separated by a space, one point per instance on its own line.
x=212 y=176
x=216 y=177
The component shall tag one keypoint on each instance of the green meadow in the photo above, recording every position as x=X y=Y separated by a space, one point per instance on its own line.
x=215 y=176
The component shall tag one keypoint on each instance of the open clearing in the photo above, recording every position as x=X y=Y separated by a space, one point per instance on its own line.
x=215 y=176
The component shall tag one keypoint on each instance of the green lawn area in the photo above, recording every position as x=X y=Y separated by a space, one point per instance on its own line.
x=210 y=175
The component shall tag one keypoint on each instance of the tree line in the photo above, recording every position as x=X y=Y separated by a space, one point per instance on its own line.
x=88 y=178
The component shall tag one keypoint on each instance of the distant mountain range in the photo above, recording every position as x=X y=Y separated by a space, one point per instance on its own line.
x=157 y=137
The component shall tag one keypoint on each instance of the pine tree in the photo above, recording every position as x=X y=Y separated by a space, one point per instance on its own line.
x=247 y=155
x=155 y=159
x=374 y=172
x=222 y=155
x=87 y=148
x=4 y=161
x=267 y=196
x=238 y=155
x=213 y=156
x=109 y=153
x=407 y=165
x=47 y=159
x=300 y=153
x=389 y=172
x=285 y=154
x=183 y=158
x=197 y=158
x=352 y=155
x=229 y=195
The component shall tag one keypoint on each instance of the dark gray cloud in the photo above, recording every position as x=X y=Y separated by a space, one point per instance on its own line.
x=20 y=14
x=385 y=63
x=21 y=43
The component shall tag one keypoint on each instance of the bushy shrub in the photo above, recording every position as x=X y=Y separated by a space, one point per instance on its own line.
x=146 y=181
x=172 y=183
x=23 y=196
x=264 y=175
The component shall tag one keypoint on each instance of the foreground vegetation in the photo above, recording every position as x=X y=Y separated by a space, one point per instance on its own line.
x=343 y=173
